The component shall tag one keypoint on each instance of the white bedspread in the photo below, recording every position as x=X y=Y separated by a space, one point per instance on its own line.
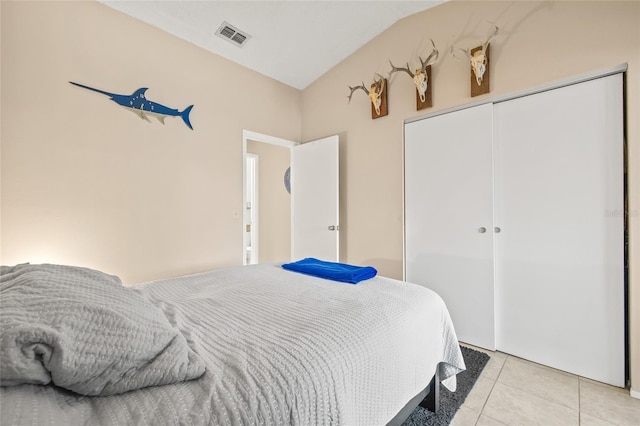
x=280 y=348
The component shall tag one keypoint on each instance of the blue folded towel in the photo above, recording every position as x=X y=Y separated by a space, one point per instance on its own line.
x=332 y=270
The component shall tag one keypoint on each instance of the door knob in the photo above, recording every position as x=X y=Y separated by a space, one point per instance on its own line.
x=482 y=230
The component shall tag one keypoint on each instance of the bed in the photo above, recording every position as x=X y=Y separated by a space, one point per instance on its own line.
x=251 y=345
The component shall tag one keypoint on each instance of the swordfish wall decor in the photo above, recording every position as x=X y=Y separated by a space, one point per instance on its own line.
x=142 y=107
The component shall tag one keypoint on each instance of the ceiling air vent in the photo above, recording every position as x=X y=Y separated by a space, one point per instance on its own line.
x=232 y=34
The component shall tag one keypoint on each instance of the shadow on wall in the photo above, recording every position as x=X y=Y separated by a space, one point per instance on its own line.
x=343 y=193
x=385 y=267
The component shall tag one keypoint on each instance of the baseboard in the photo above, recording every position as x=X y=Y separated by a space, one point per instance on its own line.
x=634 y=394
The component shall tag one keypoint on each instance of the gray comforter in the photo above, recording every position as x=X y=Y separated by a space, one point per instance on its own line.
x=278 y=348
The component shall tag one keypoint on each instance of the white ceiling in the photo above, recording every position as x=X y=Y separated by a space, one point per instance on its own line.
x=294 y=42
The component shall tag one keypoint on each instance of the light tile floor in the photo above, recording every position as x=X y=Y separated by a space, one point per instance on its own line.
x=515 y=392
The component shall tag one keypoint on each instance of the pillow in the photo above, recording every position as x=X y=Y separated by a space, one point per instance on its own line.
x=81 y=330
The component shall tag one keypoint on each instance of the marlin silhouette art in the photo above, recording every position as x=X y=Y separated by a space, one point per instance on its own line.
x=139 y=105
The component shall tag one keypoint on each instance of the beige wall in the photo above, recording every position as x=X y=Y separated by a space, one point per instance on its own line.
x=87 y=182
x=274 y=202
x=538 y=43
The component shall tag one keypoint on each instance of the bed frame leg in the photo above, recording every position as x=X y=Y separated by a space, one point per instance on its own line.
x=432 y=401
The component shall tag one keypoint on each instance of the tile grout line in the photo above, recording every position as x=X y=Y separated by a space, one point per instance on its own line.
x=485 y=402
x=579 y=403
x=594 y=415
x=490 y=392
x=547 y=398
x=552 y=401
x=541 y=397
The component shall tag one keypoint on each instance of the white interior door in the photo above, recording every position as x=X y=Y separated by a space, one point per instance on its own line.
x=559 y=203
x=314 y=200
x=449 y=217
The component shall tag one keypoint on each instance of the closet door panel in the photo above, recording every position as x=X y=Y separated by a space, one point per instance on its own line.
x=559 y=203
x=448 y=198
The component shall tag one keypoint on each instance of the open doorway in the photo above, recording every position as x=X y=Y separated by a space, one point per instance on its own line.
x=266 y=201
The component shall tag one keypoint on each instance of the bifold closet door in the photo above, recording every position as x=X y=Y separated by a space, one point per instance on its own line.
x=560 y=252
x=448 y=216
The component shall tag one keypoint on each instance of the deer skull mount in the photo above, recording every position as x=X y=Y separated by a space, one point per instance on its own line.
x=421 y=77
x=479 y=60
x=479 y=64
x=377 y=95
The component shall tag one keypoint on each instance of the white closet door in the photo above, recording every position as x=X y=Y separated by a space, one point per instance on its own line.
x=559 y=203
x=448 y=203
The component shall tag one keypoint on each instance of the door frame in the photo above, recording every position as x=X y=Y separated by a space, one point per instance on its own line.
x=248 y=135
x=251 y=218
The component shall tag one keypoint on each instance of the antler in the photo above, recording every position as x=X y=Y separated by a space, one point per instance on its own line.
x=431 y=59
x=375 y=94
x=379 y=83
x=420 y=77
x=465 y=52
x=479 y=59
x=379 y=87
x=353 y=89
x=489 y=38
x=396 y=69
